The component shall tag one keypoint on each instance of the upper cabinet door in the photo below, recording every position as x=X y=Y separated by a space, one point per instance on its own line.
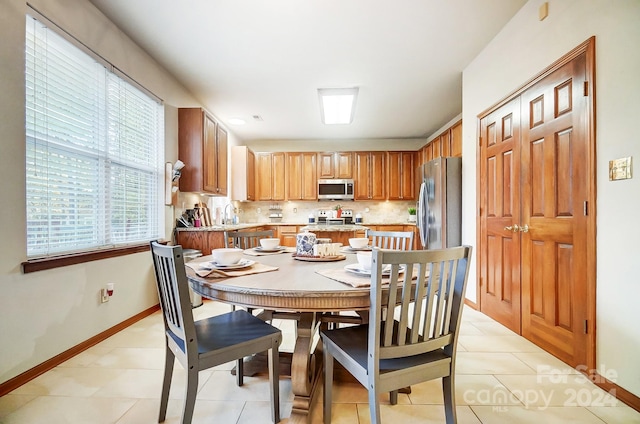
x=326 y=165
x=401 y=176
x=370 y=175
x=335 y=165
x=344 y=165
x=202 y=146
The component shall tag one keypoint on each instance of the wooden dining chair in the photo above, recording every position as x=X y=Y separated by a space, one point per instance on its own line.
x=209 y=342
x=416 y=343
x=397 y=240
x=245 y=239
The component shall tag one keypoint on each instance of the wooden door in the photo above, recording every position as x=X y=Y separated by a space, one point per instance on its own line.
x=278 y=176
x=210 y=165
x=344 y=165
x=377 y=172
x=555 y=194
x=309 y=184
x=401 y=176
x=537 y=217
x=294 y=176
x=251 y=175
x=326 y=165
x=445 y=144
x=456 y=140
x=499 y=191
x=361 y=189
x=263 y=176
x=222 y=158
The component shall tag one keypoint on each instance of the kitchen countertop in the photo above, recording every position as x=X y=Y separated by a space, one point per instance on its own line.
x=333 y=228
x=304 y=226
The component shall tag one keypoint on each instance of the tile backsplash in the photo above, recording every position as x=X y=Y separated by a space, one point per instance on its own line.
x=297 y=212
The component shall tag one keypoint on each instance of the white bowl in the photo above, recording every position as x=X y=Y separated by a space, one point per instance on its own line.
x=226 y=256
x=358 y=242
x=364 y=260
x=269 y=243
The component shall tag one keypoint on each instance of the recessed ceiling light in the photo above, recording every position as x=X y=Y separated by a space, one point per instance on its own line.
x=237 y=121
x=337 y=105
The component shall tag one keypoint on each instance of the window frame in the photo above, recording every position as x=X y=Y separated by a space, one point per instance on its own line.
x=107 y=250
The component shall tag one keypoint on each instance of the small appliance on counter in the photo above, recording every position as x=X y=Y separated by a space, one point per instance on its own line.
x=358 y=218
x=275 y=217
x=312 y=219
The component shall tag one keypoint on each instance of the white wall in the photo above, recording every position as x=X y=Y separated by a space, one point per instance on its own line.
x=525 y=47
x=47 y=312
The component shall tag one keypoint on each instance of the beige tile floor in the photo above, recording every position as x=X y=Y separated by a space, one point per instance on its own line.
x=501 y=378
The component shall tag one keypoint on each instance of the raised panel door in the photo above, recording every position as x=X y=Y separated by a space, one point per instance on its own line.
x=264 y=176
x=326 y=165
x=499 y=210
x=344 y=165
x=394 y=178
x=362 y=191
x=221 y=161
x=456 y=140
x=209 y=155
x=436 y=148
x=294 y=176
x=278 y=176
x=377 y=173
x=309 y=181
x=251 y=175
x=445 y=146
x=555 y=184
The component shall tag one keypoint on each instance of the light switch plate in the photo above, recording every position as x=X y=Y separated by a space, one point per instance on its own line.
x=620 y=169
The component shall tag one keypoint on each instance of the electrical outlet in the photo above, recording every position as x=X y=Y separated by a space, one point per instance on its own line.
x=104 y=296
x=295 y=210
x=258 y=211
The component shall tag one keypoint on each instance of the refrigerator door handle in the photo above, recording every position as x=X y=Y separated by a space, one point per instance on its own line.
x=422 y=227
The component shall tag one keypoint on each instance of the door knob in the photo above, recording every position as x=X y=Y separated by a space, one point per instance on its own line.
x=513 y=228
x=524 y=228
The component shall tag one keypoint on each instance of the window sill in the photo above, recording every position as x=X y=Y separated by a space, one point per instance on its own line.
x=78 y=258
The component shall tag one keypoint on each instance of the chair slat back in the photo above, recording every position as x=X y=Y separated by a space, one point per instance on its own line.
x=173 y=290
x=396 y=240
x=426 y=295
x=245 y=239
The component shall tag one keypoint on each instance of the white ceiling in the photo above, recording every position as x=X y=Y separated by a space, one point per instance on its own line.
x=254 y=57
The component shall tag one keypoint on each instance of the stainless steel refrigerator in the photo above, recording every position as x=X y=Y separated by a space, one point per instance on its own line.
x=439 y=209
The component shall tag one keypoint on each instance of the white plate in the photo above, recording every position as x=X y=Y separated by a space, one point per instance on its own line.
x=355 y=268
x=244 y=263
x=275 y=249
x=357 y=249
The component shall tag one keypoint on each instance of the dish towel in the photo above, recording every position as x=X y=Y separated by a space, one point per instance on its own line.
x=202 y=270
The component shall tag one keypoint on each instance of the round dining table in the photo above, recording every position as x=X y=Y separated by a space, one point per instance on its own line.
x=295 y=291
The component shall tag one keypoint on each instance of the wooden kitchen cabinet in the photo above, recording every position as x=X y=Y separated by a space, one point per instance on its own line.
x=301 y=178
x=270 y=176
x=205 y=241
x=287 y=234
x=456 y=140
x=370 y=175
x=202 y=146
x=401 y=176
x=243 y=173
x=335 y=165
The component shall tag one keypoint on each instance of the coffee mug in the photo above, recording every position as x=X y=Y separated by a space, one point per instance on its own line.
x=304 y=244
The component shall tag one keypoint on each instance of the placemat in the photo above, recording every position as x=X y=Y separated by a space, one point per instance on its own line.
x=256 y=268
x=355 y=280
x=344 y=276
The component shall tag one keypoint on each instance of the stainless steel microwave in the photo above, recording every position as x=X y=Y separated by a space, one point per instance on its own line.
x=335 y=189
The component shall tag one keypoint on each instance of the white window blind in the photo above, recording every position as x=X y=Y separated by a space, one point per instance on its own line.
x=94 y=151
